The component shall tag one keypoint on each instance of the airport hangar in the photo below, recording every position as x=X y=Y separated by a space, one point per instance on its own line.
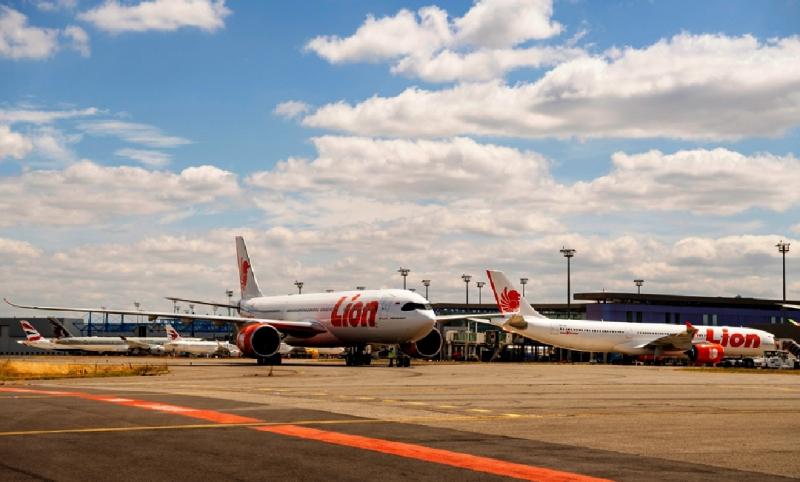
x=470 y=340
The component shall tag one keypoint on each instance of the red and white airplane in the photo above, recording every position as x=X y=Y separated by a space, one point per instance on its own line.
x=352 y=319
x=705 y=344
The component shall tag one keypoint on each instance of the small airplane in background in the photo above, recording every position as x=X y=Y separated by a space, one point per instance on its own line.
x=177 y=344
x=707 y=344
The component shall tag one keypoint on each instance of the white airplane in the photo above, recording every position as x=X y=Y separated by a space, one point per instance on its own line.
x=701 y=345
x=352 y=319
x=178 y=344
x=98 y=344
x=136 y=344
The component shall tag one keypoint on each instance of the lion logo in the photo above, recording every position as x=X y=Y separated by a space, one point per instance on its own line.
x=243 y=274
x=509 y=300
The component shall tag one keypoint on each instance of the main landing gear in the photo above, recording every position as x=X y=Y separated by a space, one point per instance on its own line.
x=357 y=356
x=269 y=360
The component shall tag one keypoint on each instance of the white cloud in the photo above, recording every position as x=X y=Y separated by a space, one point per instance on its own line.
x=147 y=157
x=795 y=228
x=18 y=248
x=719 y=181
x=144 y=134
x=164 y=15
x=504 y=23
x=13 y=144
x=52 y=144
x=44 y=116
x=78 y=39
x=477 y=46
x=18 y=40
x=56 y=5
x=480 y=65
x=86 y=193
x=291 y=109
x=689 y=87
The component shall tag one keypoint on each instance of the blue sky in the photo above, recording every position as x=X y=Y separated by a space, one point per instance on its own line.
x=202 y=91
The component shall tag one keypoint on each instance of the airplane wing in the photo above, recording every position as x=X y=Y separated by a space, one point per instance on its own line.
x=465 y=316
x=137 y=344
x=791 y=307
x=201 y=302
x=676 y=342
x=294 y=328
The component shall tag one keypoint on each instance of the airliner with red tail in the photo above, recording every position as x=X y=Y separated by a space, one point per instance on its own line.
x=352 y=319
x=701 y=345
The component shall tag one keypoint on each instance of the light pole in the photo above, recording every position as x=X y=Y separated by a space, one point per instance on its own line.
x=466 y=278
x=426 y=283
x=229 y=293
x=568 y=253
x=299 y=285
x=638 y=283
x=480 y=285
x=404 y=272
x=523 y=282
x=783 y=248
x=138 y=318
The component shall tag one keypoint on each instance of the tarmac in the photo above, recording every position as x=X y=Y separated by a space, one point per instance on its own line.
x=315 y=420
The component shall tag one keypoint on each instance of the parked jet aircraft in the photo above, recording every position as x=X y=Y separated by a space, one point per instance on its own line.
x=178 y=344
x=98 y=344
x=352 y=319
x=707 y=344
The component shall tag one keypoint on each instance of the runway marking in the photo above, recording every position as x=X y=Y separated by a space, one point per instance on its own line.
x=400 y=449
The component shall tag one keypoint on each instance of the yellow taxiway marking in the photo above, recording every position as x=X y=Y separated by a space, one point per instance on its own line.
x=388 y=400
x=511 y=415
x=479 y=410
x=411 y=402
x=357 y=421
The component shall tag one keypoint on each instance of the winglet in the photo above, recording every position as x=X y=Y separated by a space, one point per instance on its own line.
x=690 y=328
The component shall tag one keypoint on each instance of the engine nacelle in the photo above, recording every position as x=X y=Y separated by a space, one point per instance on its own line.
x=706 y=353
x=425 y=347
x=258 y=340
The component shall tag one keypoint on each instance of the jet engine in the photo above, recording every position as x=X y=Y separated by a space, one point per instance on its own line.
x=706 y=353
x=425 y=347
x=258 y=340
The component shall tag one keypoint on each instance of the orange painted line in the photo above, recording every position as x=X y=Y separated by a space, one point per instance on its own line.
x=428 y=454
x=401 y=449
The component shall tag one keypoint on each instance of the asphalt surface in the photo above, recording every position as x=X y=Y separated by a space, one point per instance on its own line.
x=101 y=429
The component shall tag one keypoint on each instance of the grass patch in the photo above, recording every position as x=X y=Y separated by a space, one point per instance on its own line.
x=34 y=370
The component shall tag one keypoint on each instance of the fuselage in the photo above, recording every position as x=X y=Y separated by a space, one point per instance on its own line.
x=349 y=317
x=631 y=338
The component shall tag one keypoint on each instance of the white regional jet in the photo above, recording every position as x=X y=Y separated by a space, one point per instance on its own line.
x=352 y=319
x=178 y=344
x=701 y=345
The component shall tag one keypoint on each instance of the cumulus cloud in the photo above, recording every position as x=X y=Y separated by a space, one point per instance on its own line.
x=136 y=133
x=701 y=181
x=426 y=44
x=164 y=15
x=56 y=5
x=87 y=193
x=18 y=40
x=291 y=109
x=145 y=156
x=689 y=87
x=13 y=144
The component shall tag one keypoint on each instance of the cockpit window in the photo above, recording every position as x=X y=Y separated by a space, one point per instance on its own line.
x=415 y=306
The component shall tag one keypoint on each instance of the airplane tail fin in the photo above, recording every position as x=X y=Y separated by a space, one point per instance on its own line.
x=172 y=333
x=59 y=330
x=30 y=332
x=508 y=298
x=247 y=279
